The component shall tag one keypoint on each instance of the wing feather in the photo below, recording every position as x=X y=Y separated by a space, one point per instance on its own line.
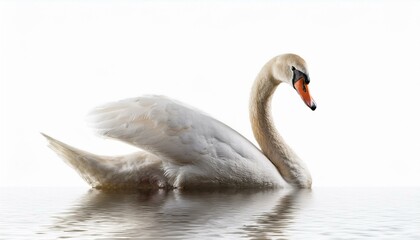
x=188 y=141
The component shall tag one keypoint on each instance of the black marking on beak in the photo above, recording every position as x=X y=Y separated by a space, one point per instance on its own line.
x=313 y=106
x=297 y=75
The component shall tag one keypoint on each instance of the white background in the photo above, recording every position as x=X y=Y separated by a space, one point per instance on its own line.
x=60 y=59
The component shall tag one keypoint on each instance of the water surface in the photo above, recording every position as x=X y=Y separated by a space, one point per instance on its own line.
x=321 y=213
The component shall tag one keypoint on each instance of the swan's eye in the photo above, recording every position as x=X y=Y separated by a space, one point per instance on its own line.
x=293 y=68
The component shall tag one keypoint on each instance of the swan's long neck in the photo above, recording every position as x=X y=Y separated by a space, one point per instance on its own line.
x=292 y=169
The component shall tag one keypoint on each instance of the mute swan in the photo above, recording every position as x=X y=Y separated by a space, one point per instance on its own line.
x=185 y=148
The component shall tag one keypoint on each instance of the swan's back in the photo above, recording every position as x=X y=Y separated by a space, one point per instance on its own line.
x=195 y=149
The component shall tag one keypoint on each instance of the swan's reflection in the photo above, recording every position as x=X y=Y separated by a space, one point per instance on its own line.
x=275 y=223
x=214 y=214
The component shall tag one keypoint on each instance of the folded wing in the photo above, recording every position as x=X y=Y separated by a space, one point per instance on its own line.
x=194 y=147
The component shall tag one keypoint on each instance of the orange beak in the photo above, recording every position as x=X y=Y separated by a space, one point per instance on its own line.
x=302 y=88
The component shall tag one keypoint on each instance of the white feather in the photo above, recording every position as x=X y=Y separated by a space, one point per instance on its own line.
x=137 y=170
x=195 y=149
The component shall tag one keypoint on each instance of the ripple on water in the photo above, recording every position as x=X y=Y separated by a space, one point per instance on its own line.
x=323 y=213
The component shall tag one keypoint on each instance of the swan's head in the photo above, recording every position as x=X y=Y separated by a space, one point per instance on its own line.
x=291 y=69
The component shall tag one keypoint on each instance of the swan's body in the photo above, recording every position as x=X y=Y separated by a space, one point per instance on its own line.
x=183 y=147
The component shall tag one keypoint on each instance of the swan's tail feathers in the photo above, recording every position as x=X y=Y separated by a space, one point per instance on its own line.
x=87 y=165
x=137 y=170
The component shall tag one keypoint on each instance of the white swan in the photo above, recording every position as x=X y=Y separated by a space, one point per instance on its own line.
x=185 y=148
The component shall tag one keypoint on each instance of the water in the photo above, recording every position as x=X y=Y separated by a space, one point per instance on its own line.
x=322 y=213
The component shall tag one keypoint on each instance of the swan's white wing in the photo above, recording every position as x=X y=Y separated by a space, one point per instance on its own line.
x=194 y=147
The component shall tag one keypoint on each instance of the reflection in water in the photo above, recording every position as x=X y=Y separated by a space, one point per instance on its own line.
x=323 y=213
x=272 y=224
x=256 y=214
